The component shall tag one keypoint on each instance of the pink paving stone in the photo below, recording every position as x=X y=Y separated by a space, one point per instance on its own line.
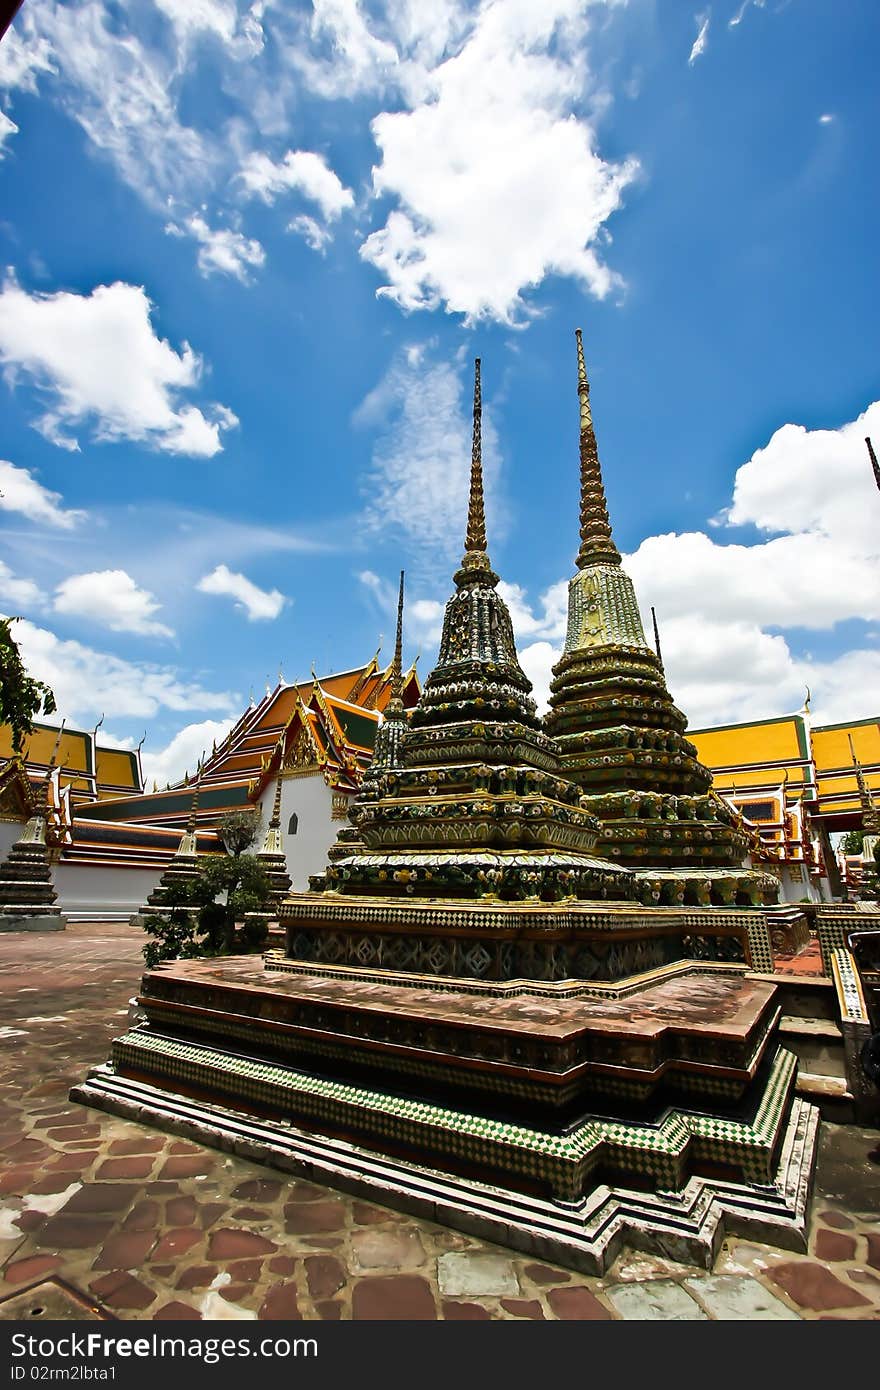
x=282 y=1264
x=30 y=1220
x=325 y=1275
x=126 y=1168
x=258 y=1190
x=74 y=1162
x=176 y=1243
x=280 y=1303
x=74 y=1232
x=814 y=1286
x=181 y=1211
x=228 y=1244
x=32 y=1267
x=245 y=1271
x=181 y=1146
x=330 y=1310
x=314 y=1216
x=198 y=1277
x=122 y=1291
x=575 y=1302
x=832 y=1245
x=162 y=1271
x=236 y=1293
x=145 y=1144
x=209 y=1212
x=127 y=1250
x=52 y=1182
x=54 y=1119
x=251 y=1214
x=543 y=1274
x=454 y=1311
x=523 y=1307
x=305 y=1192
x=101 y=1196
x=186 y=1166
x=838 y=1219
x=863 y=1276
x=143 y=1217
x=28 y=1150
x=397 y=1298
x=365 y=1214
x=323 y=1242
x=65 y=1133
x=874 y=1251
x=16 y=1181
x=177 y=1312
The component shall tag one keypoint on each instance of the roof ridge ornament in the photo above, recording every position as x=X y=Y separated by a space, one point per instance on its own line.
x=597 y=544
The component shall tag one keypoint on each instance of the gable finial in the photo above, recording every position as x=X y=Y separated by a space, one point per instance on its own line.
x=874 y=464
x=597 y=545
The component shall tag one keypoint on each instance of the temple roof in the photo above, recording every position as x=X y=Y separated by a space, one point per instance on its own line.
x=90 y=769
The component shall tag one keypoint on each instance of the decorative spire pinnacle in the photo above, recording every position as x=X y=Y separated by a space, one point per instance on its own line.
x=874 y=464
x=394 y=709
x=597 y=546
x=194 y=809
x=475 y=564
x=656 y=637
x=275 y=821
x=870 y=813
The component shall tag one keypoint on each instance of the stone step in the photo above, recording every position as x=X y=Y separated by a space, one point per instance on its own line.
x=817 y=1043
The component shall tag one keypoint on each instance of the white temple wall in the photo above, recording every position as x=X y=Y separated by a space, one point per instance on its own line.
x=311 y=801
x=102 y=893
x=10 y=831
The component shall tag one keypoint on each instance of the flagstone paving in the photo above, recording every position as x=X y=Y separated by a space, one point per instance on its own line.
x=155 y=1227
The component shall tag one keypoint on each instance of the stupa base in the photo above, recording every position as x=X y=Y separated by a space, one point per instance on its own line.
x=585 y=1234
x=32 y=921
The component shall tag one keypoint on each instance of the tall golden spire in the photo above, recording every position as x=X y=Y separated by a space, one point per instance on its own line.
x=475 y=564
x=275 y=821
x=597 y=546
x=395 y=703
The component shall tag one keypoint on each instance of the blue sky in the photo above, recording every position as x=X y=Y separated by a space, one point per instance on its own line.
x=252 y=249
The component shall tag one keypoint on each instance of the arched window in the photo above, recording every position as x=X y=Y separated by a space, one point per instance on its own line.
x=293 y=824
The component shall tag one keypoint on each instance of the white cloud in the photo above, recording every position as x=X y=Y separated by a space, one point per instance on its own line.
x=738 y=17
x=23 y=59
x=100 y=360
x=111 y=599
x=242 y=36
x=353 y=60
x=493 y=142
x=259 y=604
x=300 y=171
x=19 y=593
x=223 y=249
x=417 y=487
x=702 y=40
x=312 y=233
x=182 y=753
x=88 y=682
x=20 y=492
x=826 y=118
x=8 y=128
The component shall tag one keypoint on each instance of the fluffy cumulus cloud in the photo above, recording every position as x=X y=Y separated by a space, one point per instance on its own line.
x=20 y=492
x=417 y=486
x=111 y=599
x=18 y=593
x=258 y=604
x=491 y=141
x=100 y=362
x=738 y=617
x=305 y=173
x=222 y=250
x=88 y=682
x=182 y=753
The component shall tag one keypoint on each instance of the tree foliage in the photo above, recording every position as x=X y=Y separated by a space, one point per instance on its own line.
x=852 y=841
x=21 y=697
x=237 y=830
x=205 y=916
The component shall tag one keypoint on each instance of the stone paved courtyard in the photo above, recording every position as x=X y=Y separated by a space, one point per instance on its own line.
x=156 y=1227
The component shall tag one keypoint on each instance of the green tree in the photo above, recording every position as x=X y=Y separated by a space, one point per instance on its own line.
x=237 y=830
x=201 y=916
x=852 y=842
x=21 y=697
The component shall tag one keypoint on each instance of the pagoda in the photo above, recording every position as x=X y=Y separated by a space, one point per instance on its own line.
x=472 y=1018
x=621 y=736
x=28 y=901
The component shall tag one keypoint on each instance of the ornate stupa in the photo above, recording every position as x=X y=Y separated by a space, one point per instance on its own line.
x=621 y=735
x=28 y=901
x=182 y=870
x=869 y=886
x=472 y=1019
x=468 y=801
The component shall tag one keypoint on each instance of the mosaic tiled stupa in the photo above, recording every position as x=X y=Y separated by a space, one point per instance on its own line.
x=472 y=1019
x=621 y=735
x=28 y=901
